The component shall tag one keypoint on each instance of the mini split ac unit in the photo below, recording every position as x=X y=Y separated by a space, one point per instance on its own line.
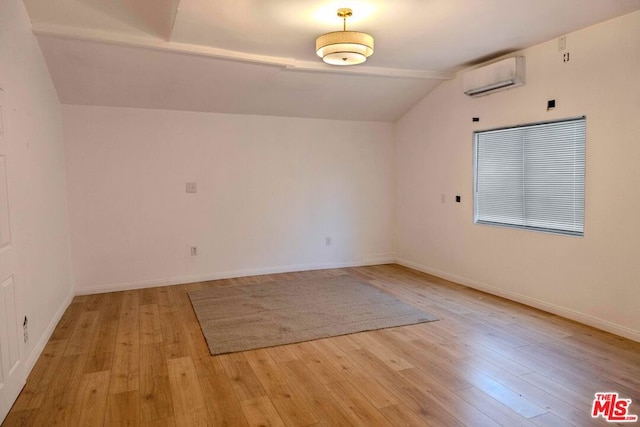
x=501 y=75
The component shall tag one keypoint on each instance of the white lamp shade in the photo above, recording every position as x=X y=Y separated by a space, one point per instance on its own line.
x=344 y=47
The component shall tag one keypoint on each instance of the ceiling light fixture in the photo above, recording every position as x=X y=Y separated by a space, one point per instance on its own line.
x=344 y=47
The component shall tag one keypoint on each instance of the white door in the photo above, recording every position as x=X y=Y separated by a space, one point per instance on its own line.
x=11 y=375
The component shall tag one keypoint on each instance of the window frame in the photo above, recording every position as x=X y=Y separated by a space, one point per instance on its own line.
x=554 y=231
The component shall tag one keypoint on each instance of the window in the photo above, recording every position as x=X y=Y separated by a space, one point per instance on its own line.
x=532 y=176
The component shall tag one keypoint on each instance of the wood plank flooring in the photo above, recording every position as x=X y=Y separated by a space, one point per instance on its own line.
x=139 y=358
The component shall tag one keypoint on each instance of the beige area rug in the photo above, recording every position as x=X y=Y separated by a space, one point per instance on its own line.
x=246 y=317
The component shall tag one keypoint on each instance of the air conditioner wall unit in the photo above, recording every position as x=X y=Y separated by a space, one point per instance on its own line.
x=502 y=75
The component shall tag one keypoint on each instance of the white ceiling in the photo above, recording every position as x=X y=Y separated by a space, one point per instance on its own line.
x=257 y=56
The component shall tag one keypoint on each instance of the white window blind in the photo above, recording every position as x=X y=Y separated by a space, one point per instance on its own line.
x=532 y=176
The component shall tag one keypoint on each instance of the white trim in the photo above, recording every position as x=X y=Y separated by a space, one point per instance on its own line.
x=125 y=286
x=614 y=328
x=568 y=313
x=370 y=71
x=44 y=338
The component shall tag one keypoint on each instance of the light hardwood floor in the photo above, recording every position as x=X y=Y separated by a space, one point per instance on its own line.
x=139 y=358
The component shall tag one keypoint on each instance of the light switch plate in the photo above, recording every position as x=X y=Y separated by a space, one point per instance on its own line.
x=192 y=187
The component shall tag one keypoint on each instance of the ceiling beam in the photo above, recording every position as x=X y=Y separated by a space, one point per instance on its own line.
x=290 y=64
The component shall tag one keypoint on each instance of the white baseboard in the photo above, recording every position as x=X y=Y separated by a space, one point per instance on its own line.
x=44 y=338
x=125 y=286
x=568 y=313
x=614 y=328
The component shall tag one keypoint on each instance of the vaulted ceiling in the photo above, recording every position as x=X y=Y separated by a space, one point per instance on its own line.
x=257 y=56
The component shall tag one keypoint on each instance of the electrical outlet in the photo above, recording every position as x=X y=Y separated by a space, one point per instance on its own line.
x=194 y=250
x=25 y=327
x=191 y=187
x=327 y=241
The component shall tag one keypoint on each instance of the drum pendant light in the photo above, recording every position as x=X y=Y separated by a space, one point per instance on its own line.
x=344 y=47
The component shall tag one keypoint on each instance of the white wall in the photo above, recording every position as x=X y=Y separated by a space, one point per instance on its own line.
x=36 y=180
x=595 y=279
x=270 y=190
